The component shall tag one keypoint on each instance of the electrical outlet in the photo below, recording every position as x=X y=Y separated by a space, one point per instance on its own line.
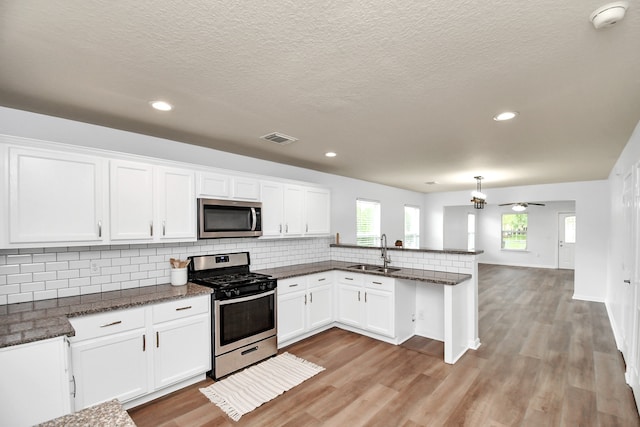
x=95 y=269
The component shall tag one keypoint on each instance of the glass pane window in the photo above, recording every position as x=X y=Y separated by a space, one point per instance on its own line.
x=411 y=227
x=471 y=232
x=367 y=222
x=570 y=229
x=514 y=231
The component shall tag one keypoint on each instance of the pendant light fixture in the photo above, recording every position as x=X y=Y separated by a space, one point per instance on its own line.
x=478 y=197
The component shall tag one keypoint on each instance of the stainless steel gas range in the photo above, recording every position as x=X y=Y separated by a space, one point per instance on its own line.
x=244 y=319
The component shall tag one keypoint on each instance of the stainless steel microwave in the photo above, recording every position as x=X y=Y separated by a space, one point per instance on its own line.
x=229 y=218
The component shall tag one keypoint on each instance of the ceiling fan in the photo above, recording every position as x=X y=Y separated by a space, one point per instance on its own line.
x=521 y=206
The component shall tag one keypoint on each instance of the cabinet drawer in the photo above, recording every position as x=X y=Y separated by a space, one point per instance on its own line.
x=320 y=279
x=111 y=322
x=382 y=283
x=180 y=308
x=293 y=284
x=350 y=278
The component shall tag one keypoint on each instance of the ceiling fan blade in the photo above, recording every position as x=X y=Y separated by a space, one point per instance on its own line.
x=537 y=204
x=507 y=204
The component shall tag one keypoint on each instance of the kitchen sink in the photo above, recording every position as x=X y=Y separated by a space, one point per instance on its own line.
x=369 y=267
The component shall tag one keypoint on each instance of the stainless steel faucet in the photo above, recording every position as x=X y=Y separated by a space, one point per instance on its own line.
x=383 y=249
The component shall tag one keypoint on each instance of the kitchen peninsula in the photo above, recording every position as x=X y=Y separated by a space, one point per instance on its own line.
x=432 y=293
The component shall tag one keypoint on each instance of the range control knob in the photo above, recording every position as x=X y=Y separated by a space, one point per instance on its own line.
x=236 y=291
x=227 y=294
x=263 y=286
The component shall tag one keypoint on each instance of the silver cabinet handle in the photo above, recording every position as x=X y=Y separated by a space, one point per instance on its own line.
x=311 y=297
x=164 y=228
x=280 y=229
x=348 y=278
x=322 y=279
x=293 y=286
x=365 y=297
x=117 y=322
x=144 y=342
x=306 y=230
x=358 y=295
x=286 y=228
x=377 y=283
x=183 y=308
x=99 y=228
x=73 y=378
x=305 y=299
x=151 y=228
x=157 y=339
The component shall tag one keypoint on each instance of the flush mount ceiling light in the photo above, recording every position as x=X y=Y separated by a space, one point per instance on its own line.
x=521 y=206
x=518 y=208
x=478 y=197
x=505 y=115
x=330 y=154
x=609 y=14
x=161 y=105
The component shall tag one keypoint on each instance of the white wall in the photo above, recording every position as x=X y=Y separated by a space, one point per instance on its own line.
x=344 y=191
x=592 y=233
x=542 y=236
x=455 y=227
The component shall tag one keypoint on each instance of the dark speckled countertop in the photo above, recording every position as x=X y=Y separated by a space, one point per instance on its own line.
x=429 y=276
x=109 y=413
x=38 y=320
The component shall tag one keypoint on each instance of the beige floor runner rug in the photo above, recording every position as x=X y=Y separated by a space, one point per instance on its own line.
x=246 y=390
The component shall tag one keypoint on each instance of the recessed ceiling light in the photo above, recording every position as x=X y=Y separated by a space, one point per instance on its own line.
x=507 y=115
x=330 y=154
x=161 y=105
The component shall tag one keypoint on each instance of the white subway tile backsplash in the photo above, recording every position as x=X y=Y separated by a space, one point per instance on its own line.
x=68 y=256
x=9 y=289
x=13 y=279
x=57 y=284
x=68 y=292
x=55 y=266
x=113 y=286
x=3 y=299
x=32 y=286
x=91 y=289
x=48 y=257
x=23 y=297
x=32 y=268
x=19 y=259
x=40 y=295
x=9 y=269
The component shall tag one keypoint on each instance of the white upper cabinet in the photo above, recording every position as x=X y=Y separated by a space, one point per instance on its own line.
x=131 y=197
x=176 y=203
x=224 y=186
x=290 y=210
x=53 y=196
x=317 y=211
x=151 y=202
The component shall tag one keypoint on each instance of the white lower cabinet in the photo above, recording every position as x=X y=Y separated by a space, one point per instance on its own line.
x=305 y=304
x=367 y=302
x=130 y=353
x=35 y=382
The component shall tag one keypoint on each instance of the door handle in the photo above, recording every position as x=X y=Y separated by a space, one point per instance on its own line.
x=627 y=281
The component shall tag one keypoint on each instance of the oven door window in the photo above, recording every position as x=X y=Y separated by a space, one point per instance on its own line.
x=240 y=320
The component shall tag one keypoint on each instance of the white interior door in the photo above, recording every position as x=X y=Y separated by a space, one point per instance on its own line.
x=566 y=240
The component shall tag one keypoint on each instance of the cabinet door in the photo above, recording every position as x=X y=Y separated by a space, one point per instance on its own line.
x=272 y=197
x=110 y=367
x=131 y=201
x=35 y=383
x=246 y=188
x=320 y=305
x=317 y=211
x=176 y=204
x=291 y=315
x=182 y=349
x=54 y=197
x=293 y=210
x=379 y=312
x=350 y=305
x=214 y=185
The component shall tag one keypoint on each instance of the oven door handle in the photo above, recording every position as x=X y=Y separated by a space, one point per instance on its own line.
x=243 y=299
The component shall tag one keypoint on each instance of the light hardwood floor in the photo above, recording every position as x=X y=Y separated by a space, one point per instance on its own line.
x=545 y=360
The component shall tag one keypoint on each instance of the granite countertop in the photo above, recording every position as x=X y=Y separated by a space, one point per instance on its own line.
x=109 y=413
x=38 y=320
x=429 y=276
x=400 y=248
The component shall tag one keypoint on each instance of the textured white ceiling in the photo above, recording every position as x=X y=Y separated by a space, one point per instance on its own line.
x=404 y=92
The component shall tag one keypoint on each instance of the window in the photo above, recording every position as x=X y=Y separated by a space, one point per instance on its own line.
x=367 y=222
x=514 y=231
x=471 y=232
x=570 y=229
x=411 y=227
